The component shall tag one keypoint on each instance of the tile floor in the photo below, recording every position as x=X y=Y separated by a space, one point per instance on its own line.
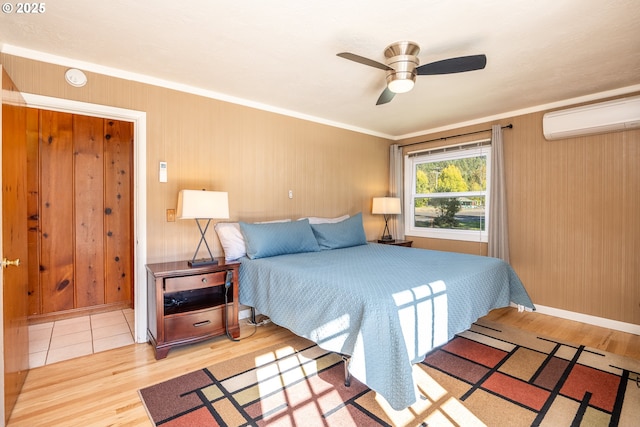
x=65 y=339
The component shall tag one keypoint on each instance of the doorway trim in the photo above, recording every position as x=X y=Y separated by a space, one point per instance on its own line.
x=139 y=119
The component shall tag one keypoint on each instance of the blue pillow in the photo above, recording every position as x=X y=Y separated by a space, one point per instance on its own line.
x=278 y=238
x=343 y=234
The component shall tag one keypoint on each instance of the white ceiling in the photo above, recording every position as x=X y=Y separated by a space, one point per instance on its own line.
x=280 y=55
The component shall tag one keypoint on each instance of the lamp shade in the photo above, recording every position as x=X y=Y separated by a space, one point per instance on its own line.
x=201 y=204
x=386 y=205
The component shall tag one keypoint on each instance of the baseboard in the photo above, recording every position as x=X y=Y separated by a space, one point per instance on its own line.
x=591 y=320
x=244 y=312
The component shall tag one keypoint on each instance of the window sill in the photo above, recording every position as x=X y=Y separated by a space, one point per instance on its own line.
x=462 y=235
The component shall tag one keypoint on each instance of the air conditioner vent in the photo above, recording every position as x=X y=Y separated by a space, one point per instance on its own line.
x=610 y=116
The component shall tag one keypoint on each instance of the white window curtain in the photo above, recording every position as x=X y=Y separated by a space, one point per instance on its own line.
x=396 y=223
x=498 y=223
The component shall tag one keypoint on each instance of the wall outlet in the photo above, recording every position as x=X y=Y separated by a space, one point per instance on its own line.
x=171 y=215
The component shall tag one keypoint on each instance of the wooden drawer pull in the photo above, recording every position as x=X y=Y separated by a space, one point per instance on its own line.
x=203 y=323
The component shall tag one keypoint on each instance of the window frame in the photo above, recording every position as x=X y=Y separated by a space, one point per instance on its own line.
x=412 y=160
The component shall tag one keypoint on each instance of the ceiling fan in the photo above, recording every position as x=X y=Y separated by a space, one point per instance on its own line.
x=402 y=66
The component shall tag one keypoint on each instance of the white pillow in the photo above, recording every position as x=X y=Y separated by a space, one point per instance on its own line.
x=320 y=220
x=232 y=240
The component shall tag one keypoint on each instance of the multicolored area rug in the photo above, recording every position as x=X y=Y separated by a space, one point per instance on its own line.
x=490 y=375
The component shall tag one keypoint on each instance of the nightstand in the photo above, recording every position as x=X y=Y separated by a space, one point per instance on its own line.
x=187 y=305
x=397 y=242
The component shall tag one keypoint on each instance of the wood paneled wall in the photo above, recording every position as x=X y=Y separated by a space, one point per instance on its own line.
x=80 y=223
x=256 y=156
x=56 y=222
x=573 y=207
x=118 y=218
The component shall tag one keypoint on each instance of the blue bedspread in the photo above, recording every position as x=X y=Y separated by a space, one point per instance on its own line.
x=385 y=306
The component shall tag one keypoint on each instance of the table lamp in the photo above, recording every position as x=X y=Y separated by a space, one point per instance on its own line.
x=202 y=205
x=386 y=206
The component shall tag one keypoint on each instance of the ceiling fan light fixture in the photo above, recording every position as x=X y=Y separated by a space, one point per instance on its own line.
x=402 y=66
x=400 y=84
x=402 y=57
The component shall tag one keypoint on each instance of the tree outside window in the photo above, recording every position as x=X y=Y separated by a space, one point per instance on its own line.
x=448 y=192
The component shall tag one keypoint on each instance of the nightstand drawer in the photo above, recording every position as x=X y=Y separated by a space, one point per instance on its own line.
x=194 y=324
x=197 y=281
x=189 y=304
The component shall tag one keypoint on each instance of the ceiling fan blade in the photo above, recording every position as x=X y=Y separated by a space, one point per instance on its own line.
x=385 y=96
x=453 y=65
x=362 y=60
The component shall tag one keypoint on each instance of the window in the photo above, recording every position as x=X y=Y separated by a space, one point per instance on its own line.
x=447 y=192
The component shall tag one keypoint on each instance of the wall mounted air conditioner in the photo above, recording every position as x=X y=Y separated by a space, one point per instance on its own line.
x=609 y=116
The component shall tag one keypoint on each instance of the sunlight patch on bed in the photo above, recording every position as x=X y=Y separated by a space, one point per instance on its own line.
x=423 y=313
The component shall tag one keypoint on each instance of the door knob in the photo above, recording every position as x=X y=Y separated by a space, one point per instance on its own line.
x=6 y=263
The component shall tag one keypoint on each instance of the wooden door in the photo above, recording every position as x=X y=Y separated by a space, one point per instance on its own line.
x=14 y=278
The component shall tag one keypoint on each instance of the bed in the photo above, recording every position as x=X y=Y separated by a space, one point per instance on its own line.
x=383 y=306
